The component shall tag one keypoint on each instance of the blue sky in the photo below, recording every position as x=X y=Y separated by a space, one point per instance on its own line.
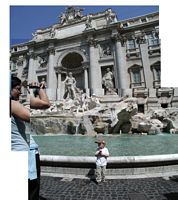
x=24 y=20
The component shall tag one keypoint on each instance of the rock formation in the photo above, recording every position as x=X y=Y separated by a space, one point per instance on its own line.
x=120 y=117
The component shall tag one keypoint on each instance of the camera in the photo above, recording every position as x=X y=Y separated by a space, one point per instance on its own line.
x=34 y=86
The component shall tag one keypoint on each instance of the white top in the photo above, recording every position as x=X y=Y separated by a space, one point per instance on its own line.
x=101 y=158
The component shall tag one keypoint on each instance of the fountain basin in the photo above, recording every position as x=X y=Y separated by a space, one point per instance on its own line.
x=124 y=166
x=130 y=156
x=118 y=145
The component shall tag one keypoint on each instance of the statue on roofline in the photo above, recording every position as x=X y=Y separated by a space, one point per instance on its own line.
x=71 y=14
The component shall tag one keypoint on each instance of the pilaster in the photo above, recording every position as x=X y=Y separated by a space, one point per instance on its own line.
x=143 y=46
x=85 y=68
x=60 y=87
x=174 y=101
x=95 y=77
x=120 y=57
x=31 y=70
x=52 y=78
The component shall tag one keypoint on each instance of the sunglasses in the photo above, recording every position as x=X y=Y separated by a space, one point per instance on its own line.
x=18 y=89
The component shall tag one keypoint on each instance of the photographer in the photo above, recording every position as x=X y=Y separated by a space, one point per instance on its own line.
x=19 y=116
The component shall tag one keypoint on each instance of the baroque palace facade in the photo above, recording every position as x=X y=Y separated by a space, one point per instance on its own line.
x=87 y=45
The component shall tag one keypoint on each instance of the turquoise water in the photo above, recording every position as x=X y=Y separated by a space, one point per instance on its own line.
x=122 y=145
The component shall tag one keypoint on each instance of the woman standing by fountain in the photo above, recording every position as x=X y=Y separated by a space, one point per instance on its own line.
x=19 y=142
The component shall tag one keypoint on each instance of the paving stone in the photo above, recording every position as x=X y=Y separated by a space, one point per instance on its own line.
x=137 y=196
x=54 y=188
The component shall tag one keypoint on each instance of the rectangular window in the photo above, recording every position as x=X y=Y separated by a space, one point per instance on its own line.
x=136 y=77
x=152 y=40
x=14 y=66
x=158 y=74
x=164 y=105
x=141 y=108
x=131 y=44
x=144 y=20
x=125 y=25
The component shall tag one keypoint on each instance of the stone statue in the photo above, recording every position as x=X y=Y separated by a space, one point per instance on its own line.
x=94 y=102
x=53 y=32
x=88 y=22
x=108 y=82
x=37 y=36
x=78 y=14
x=71 y=14
x=70 y=87
x=111 y=17
x=63 y=18
x=42 y=61
x=107 y=51
x=43 y=81
x=83 y=102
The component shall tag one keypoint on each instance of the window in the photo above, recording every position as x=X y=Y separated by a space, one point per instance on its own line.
x=136 y=76
x=131 y=44
x=125 y=25
x=156 y=69
x=13 y=66
x=144 y=20
x=20 y=62
x=141 y=108
x=164 y=105
x=157 y=74
x=152 y=39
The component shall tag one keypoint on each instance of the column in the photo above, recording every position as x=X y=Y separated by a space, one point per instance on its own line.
x=59 y=92
x=85 y=68
x=59 y=80
x=174 y=101
x=52 y=78
x=95 y=77
x=148 y=76
x=31 y=69
x=120 y=60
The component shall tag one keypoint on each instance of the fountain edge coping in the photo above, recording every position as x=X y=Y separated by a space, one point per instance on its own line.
x=115 y=160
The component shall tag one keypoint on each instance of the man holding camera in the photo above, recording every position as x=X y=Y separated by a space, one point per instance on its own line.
x=19 y=116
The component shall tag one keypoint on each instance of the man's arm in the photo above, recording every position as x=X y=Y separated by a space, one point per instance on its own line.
x=18 y=110
x=40 y=102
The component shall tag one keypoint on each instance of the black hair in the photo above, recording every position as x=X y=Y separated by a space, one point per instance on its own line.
x=15 y=81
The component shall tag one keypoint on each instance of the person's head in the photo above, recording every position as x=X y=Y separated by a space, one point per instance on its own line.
x=108 y=69
x=70 y=74
x=15 y=88
x=101 y=144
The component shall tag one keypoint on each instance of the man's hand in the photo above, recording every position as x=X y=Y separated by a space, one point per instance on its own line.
x=42 y=86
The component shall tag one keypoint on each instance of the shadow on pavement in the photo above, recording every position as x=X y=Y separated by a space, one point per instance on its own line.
x=172 y=196
x=42 y=198
x=94 y=181
x=174 y=178
x=91 y=176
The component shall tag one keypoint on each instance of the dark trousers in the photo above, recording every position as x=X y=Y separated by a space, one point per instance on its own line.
x=34 y=185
